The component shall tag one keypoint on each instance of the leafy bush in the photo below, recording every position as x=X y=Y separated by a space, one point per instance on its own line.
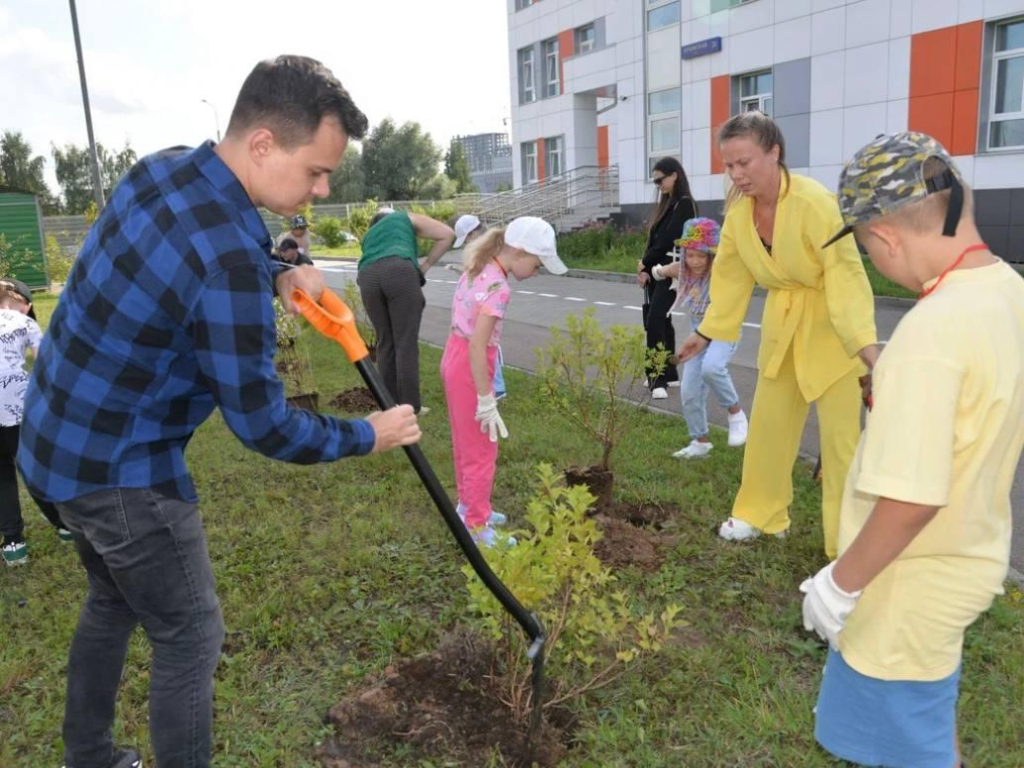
x=330 y=231
x=603 y=247
x=590 y=376
x=358 y=220
x=594 y=633
x=13 y=258
x=58 y=261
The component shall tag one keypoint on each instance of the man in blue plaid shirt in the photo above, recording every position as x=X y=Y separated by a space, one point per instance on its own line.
x=167 y=315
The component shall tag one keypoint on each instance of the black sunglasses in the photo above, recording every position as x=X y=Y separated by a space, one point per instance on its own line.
x=657 y=180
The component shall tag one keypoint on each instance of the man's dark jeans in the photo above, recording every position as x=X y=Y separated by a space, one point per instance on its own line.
x=147 y=563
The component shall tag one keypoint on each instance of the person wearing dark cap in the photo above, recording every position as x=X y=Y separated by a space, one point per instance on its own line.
x=19 y=334
x=299 y=232
x=925 y=524
x=288 y=253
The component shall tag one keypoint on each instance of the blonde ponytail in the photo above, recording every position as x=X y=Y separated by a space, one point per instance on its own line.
x=483 y=250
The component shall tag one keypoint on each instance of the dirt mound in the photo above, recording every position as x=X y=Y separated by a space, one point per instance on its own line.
x=625 y=545
x=355 y=400
x=442 y=705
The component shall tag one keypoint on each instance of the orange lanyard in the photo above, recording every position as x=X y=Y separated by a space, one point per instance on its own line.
x=951 y=267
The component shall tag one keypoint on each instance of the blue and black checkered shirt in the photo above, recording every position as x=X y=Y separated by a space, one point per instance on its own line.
x=166 y=314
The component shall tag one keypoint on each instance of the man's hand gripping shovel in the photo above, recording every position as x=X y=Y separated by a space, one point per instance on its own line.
x=332 y=318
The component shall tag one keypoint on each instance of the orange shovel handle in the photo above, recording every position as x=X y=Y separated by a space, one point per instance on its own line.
x=333 y=319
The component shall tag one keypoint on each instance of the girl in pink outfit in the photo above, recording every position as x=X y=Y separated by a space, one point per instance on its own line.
x=467 y=367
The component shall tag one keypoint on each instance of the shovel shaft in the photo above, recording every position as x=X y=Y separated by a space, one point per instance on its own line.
x=334 y=319
x=528 y=621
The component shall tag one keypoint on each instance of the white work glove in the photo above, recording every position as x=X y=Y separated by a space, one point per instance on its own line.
x=826 y=606
x=489 y=418
x=656 y=272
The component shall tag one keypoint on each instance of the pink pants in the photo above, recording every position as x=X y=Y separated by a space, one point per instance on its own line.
x=474 y=453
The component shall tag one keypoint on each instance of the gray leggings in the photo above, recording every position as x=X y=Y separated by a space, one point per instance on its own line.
x=393 y=297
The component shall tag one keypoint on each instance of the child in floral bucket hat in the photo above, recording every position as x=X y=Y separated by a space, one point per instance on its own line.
x=709 y=370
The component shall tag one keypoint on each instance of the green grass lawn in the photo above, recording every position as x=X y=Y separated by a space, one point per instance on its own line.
x=330 y=572
x=349 y=251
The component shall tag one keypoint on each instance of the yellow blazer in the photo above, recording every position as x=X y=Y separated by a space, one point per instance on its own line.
x=819 y=300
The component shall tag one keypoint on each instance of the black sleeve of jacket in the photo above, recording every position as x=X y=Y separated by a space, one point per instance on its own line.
x=667 y=232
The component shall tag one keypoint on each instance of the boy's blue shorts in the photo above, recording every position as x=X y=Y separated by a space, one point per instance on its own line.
x=891 y=723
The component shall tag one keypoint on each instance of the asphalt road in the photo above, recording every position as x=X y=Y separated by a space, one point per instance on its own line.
x=545 y=301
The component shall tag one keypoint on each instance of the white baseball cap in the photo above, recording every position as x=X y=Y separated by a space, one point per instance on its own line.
x=537 y=237
x=463 y=227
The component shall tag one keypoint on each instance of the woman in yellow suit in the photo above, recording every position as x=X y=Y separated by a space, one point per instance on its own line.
x=817 y=333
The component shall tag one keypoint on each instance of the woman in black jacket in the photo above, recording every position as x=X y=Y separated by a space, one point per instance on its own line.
x=675 y=206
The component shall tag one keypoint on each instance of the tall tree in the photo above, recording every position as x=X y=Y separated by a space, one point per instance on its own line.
x=348 y=184
x=456 y=167
x=72 y=166
x=398 y=162
x=18 y=168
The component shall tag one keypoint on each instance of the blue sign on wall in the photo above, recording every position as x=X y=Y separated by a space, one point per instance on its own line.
x=702 y=48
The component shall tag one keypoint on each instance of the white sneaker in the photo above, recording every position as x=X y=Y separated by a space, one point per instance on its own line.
x=695 y=450
x=659 y=393
x=737 y=429
x=496 y=518
x=734 y=529
x=486 y=536
x=675 y=384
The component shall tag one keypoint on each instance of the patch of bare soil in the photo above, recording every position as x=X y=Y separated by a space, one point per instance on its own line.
x=355 y=400
x=442 y=705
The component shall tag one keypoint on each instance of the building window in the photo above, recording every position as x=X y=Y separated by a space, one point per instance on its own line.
x=521 y=4
x=665 y=134
x=586 y=38
x=721 y=5
x=755 y=92
x=551 y=84
x=553 y=157
x=1006 y=121
x=652 y=161
x=529 y=153
x=660 y=102
x=528 y=91
x=663 y=16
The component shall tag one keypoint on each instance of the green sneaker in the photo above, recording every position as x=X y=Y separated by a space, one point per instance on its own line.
x=65 y=535
x=15 y=552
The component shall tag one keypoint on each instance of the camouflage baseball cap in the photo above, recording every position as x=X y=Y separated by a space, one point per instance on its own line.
x=888 y=174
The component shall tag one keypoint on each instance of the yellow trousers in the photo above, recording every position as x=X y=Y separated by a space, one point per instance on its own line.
x=777 y=420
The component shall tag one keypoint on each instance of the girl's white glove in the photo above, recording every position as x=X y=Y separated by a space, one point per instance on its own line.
x=826 y=606
x=489 y=418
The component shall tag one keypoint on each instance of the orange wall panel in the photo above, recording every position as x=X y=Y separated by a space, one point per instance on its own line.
x=965 y=122
x=933 y=115
x=719 y=114
x=566 y=48
x=933 y=62
x=968 y=56
x=602 y=146
x=540 y=159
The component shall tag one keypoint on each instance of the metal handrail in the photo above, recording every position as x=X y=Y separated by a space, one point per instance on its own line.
x=581 y=192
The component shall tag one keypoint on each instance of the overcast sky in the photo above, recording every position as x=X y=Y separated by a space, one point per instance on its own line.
x=150 y=62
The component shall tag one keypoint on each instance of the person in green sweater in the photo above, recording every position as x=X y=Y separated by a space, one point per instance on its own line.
x=390 y=279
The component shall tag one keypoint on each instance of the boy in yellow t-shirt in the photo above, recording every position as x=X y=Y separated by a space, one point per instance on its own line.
x=925 y=523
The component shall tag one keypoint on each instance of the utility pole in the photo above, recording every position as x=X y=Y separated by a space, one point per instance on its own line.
x=97 y=183
x=216 y=117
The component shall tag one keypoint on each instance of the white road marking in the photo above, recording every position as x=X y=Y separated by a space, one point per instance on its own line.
x=751 y=325
x=548 y=295
x=572 y=298
x=520 y=290
x=604 y=303
x=630 y=306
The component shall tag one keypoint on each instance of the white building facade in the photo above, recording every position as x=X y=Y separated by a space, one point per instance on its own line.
x=625 y=82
